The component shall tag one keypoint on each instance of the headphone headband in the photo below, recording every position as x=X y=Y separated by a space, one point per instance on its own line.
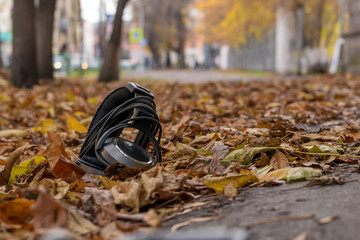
x=130 y=106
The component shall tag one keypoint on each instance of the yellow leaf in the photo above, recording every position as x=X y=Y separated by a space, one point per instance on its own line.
x=4 y=98
x=74 y=125
x=278 y=174
x=107 y=182
x=218 y=183
x=25 y=167
x=46 y=125
x=70 y=96
x=93 y=100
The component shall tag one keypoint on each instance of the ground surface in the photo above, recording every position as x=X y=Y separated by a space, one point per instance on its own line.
x=229 y=136
x=292 y=200
x=337 y=204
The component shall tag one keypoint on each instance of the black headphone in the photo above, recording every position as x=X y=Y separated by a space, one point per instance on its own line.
x=131 y=106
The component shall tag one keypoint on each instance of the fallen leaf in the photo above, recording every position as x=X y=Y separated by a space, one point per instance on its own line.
x=48 y=212
x=215 y=165
x=80 y=225
x=302 y=173
x=5 y=174
x=73 y=125
x=278 y=174
x=107 y=182
x=9 y=133
x=152 y=218
x=58 y=187
x=220 y=149
x=279 y=160
x=46 y=125
x=59 y=161
x=230 y=190
x=128 y=194
x=16 y=211
x=245 y=156
x=218 y=183
x=100 y=204
x=25 y=167
x=321 y=149
x=151 y=181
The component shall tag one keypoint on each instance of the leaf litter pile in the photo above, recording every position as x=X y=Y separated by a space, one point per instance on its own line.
x=218 y=138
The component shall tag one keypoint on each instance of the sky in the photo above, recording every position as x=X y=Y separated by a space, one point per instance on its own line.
x=90 y=10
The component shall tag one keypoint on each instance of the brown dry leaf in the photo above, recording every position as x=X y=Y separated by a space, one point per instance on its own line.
x=9 y=133
x=215 y=165
x=15 y=212
x=172 y=182
x=220 y=149
x=59 y=161
x=77 y=186
x=127 y=194
x=47 y=212
x=80 y=225
x=151 y=181
x=100 y=204
x=230 y=190
x=58 y=187
x=279 y=161
x=263 y=161
x=152 y=218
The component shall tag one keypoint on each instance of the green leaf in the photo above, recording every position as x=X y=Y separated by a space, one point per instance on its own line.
x=302 y=173
x=245 y=156
x=321 y=149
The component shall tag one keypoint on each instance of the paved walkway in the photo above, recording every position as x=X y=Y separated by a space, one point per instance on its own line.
x=192 y=76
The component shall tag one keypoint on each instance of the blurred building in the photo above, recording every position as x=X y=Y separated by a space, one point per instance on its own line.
x=5 y=31
x=352 y=39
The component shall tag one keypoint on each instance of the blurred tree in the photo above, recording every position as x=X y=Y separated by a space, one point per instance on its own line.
x=165 y=29
x=44 y=37
x=232 y=21
x=110 y=67
x=23 y=68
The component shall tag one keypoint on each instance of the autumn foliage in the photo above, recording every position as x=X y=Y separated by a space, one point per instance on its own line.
x=218 y=138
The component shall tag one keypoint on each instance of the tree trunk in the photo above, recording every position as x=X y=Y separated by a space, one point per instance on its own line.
x=23 y=67
x=44 y=37
x=181 y=38
x=168 y=59
x=110 y=67
x=154 y=48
